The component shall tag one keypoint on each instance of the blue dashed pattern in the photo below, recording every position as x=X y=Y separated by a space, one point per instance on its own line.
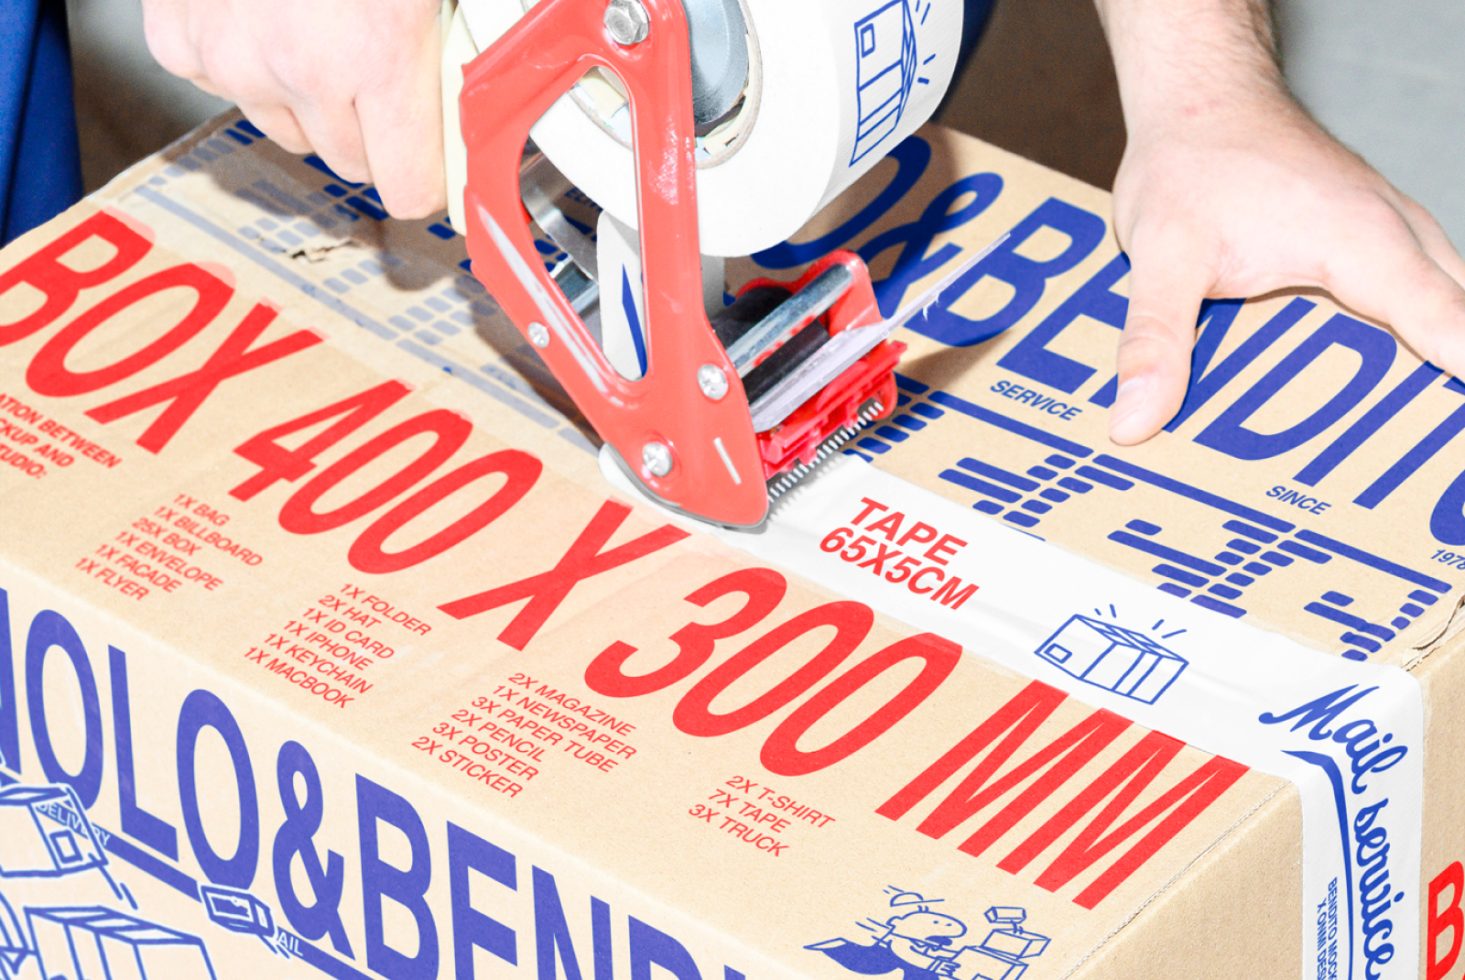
x=1252 y=545
x=292 y=217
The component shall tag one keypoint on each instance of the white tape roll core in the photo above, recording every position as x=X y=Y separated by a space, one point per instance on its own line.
x=836 y=84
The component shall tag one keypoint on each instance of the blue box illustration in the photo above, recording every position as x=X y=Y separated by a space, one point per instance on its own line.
x=14 y=947
x=102 y=944
x=1005 y=953
x=1114 y=658
x=886 y=60
x=45 y=833
x=976 y=963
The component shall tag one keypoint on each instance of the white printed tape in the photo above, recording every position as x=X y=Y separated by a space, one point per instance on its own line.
x=1349 y=735
x=835 y=86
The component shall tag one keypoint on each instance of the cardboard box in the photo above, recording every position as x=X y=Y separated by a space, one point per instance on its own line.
x=321 y=621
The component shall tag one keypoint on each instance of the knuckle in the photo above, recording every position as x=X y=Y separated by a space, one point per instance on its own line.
x=1416 y=213
x=411 y=187
x=316 y=79
x=409 y=193
x=1435 y=329
x=286 y=137
x=166 y=43
x=1449 y=351
x=1144 y=328
x=1382 y=220
x=346 y=165
x=1148 y=343
x=237 y=76
x=1431 y=348
x=412 y=202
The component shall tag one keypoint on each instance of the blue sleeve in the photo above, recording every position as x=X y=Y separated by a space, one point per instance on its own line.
x=977 y=13
x=40 y=169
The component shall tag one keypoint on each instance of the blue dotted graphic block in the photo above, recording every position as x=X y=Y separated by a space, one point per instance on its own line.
x=1111 y=657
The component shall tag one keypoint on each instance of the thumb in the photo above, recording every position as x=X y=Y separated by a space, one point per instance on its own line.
x=1154 y=352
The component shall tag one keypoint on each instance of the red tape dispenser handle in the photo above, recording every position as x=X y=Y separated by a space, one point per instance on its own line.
x=661 y=422
x=690 y=442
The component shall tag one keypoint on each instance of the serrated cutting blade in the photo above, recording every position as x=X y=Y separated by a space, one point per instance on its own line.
x=786 y=482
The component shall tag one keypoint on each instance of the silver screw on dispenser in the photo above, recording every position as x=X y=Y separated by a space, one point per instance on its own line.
x=656 y=457
x=539 y=335
x=627 y=21
x=712 y=381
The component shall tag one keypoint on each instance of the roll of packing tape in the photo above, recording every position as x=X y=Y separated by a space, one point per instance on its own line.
x=833 y=86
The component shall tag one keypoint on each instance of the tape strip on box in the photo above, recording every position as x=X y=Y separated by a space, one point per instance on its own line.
x=1349 y=735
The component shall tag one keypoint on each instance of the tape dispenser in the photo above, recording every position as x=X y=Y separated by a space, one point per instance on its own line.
x=648 y=140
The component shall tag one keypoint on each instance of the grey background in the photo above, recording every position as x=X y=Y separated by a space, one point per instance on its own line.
x=1388 y=78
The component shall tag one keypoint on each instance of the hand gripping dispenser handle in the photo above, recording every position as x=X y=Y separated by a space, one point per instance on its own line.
x=696 y=452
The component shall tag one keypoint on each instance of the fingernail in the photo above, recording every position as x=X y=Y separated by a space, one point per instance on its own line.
x=1130 y=418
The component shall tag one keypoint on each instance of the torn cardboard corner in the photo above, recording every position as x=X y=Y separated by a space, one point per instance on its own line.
x=1449 y=628
x=318 y=253
x=324 y=647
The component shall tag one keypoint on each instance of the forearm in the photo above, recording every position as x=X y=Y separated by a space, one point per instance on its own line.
x=1183 y=59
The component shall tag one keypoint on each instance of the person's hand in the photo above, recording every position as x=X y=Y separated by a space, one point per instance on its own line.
x=1229 y=189
x=356 y=81
x=1253 y=201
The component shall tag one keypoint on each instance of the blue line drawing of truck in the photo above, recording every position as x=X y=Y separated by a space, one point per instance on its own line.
x=885 y=72
x=1109 y=656
x=96 y=943
x=45 y=833
x=13 y=946
x=47 y=836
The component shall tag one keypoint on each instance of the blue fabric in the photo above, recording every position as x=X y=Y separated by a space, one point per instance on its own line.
x=977 y=13
x=40 y=168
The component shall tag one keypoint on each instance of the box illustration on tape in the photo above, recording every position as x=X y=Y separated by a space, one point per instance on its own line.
x=327 y=648
x=887 y=72
x=1114 y=658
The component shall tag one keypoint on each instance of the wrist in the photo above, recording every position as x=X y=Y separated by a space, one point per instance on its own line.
x=1182 y=63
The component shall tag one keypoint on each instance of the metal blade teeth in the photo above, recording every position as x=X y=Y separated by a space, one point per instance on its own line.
x=785 y=482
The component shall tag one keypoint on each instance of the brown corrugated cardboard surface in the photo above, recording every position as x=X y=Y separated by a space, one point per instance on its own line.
x=389 y=301
x=1224 y=894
